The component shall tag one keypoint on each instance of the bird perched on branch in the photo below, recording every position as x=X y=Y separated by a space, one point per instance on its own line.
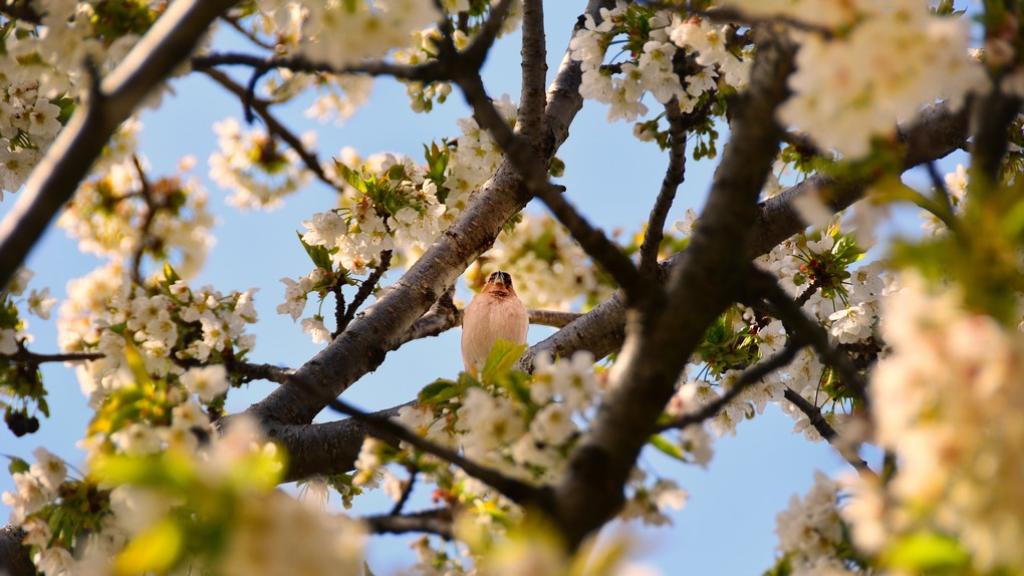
x=496 y=313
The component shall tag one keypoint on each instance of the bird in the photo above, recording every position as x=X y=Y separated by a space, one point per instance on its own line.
x=496 y=313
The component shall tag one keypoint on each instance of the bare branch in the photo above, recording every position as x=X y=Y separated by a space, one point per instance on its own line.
x=673 y=178
x=365 y=289
x=827 y=432
x=551 y=317
x=438 y=521
x=249 y=35
x=407 y=489
x=171 y=39
x=385 y=427
x=428 y=72
x=535 y=67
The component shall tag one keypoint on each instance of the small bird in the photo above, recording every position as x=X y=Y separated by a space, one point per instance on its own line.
x=496 y=313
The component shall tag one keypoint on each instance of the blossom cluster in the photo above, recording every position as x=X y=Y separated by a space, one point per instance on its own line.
x=946 y=402
x=821 y=268
x=850 y=89
x=812 y=536
x=144 y=511
x=686 y=60
x=171 y=325
x=119 y=214
x=43 y=70
x=251 y=164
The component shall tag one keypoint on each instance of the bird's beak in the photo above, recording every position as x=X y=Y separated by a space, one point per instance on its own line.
x=503 y=279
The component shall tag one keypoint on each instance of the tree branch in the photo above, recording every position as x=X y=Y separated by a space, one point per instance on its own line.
x=14 y=558
x=519 y=153
x=365 y=289
x=827 y=432
x=437 y=521
x=659 y=344
x=52 y=183
x=673 y=178
x=535 y=68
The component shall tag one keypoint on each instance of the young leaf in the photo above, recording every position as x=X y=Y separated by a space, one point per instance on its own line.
x=504 y=355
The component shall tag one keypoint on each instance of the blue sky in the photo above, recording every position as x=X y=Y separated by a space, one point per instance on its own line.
x=726 y=528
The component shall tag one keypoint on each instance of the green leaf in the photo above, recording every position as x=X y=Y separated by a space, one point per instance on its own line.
x=504 y=355
x=927 y=551
x=154 y=550
x=318 y=254
x=169 y=274
x=17 y=465
x=438 y=391
x=667 y=447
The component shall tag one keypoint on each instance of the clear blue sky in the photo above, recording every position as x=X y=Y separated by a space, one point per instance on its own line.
x=727 y=526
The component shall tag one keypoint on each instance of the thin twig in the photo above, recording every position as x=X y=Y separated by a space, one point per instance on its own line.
x=406 y=492
x=748 y=378
x=515 y=490
x=249 y=34
x=365 y=289
x=941 y=190
x=674 y=175
x=428 y=72
x=275 y=127
x=798 y=324
x=23 y=355
x=146 y=191
x=815 y=417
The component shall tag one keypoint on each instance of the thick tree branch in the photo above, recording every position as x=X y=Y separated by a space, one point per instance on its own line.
x=363 y=346
x=992 y=115
x=535 y=68
x=170 y=41
x=659 y=344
